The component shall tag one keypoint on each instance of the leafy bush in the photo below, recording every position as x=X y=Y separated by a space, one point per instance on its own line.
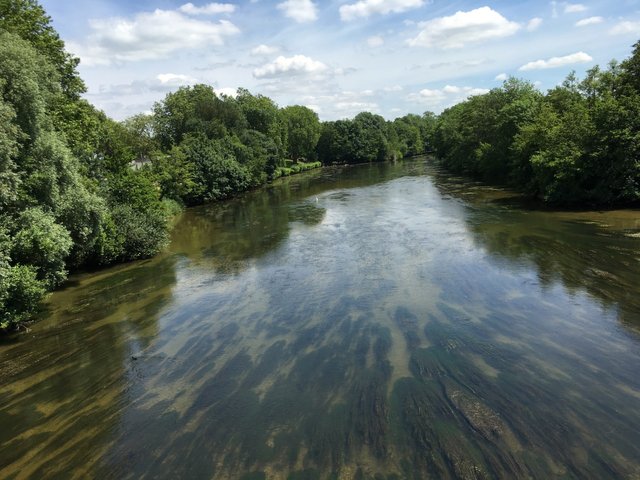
x=20 y=294
x=43 y=244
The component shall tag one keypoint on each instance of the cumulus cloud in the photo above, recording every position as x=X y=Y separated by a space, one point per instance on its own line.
x=342 y=104
x=462 y=28
x=300 y=10
x=178 y=80
x=365 y=8
x=226 y=91
x=375 y=41
x=264 y=50
x=149 y=35
x=208 y=9
x=162 y=83
x=574 y=8
x=626 y=27
x=290 y=66
x=554 y=62
x=589 y=21
x=534 y=24
x=501 y=77
x=448 y=95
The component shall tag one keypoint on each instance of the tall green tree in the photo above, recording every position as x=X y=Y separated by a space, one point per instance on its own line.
x=303 y=131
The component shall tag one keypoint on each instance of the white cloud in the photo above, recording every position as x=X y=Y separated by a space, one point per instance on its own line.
x=501 y=77
x=589 y=21
x=574 y=8
x=394 y=88
x=208 y=9
x=462 y=28
x=375 y=41
x=534 y=24
x=149 y=35
x=264 y=50
x=178 y=80
x=451 y=89
x=356 y=107
x=341 y=104
x=625 y=27
x=448 y=95
x=289 y=66
x=554 y=62
x=365 y=8
x=300 y=10
x=226 y=91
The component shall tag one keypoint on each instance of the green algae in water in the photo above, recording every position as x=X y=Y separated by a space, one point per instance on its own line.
x=374 y=322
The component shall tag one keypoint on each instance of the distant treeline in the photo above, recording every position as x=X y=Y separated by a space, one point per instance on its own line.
x=79 y=190
x=576 y=145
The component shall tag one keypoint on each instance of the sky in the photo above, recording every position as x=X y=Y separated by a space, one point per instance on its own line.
x=337 y=57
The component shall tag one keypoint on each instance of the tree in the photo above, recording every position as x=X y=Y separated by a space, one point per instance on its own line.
x=303 y=131
x=28 y=20
x=42 y=243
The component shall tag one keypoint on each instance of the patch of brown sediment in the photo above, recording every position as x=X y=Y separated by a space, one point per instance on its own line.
x=398 y=358
x=51 y=451
x=612 y=219
x=509 y=341
x=483 y=366
x=629 y=390
x=21 y=386
x=548 y=368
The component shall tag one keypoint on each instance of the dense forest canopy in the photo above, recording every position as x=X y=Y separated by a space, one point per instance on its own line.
x=79 y=190
x=578 y=144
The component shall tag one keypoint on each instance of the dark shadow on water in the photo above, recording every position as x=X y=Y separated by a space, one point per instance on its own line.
x=578 y=248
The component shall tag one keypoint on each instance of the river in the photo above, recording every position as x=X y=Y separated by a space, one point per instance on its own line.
x=384 y=321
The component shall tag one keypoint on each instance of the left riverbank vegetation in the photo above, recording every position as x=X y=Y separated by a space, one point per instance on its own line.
x=79 y=190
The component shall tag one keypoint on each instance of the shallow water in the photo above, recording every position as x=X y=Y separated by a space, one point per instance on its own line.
x=382 y=321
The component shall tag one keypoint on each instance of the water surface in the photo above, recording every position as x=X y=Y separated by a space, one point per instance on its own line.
x=373 y=322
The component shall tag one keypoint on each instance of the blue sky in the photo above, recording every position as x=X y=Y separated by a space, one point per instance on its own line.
x=338 y=57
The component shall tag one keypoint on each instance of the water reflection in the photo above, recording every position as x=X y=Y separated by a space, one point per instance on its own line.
x=64 y=383
x=592 y=251
x=376 y=322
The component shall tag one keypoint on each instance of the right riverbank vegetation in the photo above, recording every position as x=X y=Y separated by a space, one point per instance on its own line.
x=79 y=190
x=577 y=145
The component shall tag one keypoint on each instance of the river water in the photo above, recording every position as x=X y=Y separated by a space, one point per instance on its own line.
x=373 y=322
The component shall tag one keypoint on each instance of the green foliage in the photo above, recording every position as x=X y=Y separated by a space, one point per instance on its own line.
x=369 y=138
x=28 y=20
x=217 y=174
x=295 y=168
x=20 y=295
x=27 y=83
x=65 y=180
x=43 y=244
x=138 y=233
x=577 y=145
x=20 y=290
x=196 y=109
x=303 y=131
x=174 y=174
x=9 y=134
